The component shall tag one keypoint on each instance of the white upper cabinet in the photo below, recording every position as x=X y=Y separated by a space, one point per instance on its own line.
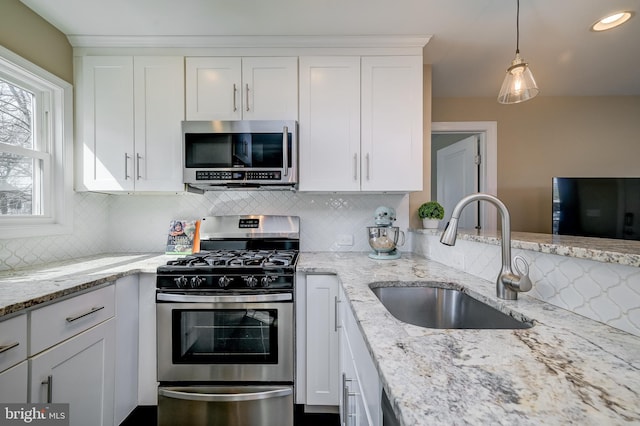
x=329 y=128
x=361 y=123
x=391 y=123
x=129 y=114
x=261 y=88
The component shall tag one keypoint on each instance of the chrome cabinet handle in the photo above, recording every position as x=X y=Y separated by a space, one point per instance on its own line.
x=335 y=314
x=246 y=94
x=345 y=399
x=138 y=157
x=285 y=150
x=49 y=383
x=368 y=165
x=224 y=397
x=11 y=345
x=235 y=91
x=89 y=312
x=355 y=166
x=126 y=166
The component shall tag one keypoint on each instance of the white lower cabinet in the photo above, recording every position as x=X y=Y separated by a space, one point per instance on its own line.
x=13 y=364
x=126 y=350
x=322 y=340
x=13 y=384
x=80 y=372
x=361 y=389
x=147 y=371
x=72 y=355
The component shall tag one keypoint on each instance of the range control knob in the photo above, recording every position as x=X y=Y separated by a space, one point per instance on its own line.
x=181 y=282
x=251 y=281
x=224 y=281
x=266 y=281
x=196 y=281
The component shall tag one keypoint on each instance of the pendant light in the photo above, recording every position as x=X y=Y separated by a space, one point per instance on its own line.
x=519 y=84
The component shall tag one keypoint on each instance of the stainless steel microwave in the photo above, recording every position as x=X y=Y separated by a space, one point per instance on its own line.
x=240 y=154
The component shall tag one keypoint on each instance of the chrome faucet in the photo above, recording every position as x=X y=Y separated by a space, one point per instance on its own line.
x=508 y=284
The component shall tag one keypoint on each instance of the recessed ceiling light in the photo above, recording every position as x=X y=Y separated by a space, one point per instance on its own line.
x=611 y=21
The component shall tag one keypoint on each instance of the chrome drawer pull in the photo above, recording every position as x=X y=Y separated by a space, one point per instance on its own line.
x=5 y=348
x=91 y=311
x=49 y=383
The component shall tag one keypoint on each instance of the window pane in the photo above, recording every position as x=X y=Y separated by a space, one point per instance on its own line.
x=16 y=115
x=16 y=171
x=16 y=184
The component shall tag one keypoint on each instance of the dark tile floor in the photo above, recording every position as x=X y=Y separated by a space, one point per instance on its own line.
x=147 y=416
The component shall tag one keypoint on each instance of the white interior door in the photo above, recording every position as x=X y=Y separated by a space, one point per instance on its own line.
x=457 y=177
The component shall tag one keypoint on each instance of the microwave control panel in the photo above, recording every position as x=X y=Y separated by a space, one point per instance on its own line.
x=237 y=175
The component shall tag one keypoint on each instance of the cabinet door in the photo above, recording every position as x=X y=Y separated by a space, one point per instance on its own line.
x=80 y=372
x=362 y=393
x=392 y=123
x=270 y=88
x=159 y=111
x=147 y=371
x=213 y=88
x=13 y=384
x=329 y=128
x=106 y=112
x=126 y=351
x=323 y=370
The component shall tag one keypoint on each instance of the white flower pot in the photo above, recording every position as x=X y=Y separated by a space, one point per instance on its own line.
x=430 y=223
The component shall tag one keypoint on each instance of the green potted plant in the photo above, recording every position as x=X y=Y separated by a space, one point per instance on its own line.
x=431 y=214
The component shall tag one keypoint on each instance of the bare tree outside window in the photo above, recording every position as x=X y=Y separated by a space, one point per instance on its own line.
x=16 y=140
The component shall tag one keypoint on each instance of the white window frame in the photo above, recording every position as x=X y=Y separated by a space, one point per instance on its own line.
x=56 y=132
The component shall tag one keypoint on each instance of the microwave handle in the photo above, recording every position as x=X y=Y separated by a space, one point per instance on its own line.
x=285 y=150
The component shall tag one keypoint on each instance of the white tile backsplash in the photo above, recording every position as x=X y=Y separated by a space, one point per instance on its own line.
x=605 y=292
x=138 y=223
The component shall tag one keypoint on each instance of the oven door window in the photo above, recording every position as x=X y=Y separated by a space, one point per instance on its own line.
x=225 y=336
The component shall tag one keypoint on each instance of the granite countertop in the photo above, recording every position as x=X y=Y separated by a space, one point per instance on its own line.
x=567 y=369
x=26 y=288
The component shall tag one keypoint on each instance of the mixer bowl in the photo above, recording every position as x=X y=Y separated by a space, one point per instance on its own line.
x=384 y=239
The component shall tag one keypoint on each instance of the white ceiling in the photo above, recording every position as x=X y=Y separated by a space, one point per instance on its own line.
x=472 y=44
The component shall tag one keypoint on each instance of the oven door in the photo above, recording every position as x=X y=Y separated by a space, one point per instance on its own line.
x=230 y=338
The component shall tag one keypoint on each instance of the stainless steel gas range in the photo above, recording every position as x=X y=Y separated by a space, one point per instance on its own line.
x=225 y=325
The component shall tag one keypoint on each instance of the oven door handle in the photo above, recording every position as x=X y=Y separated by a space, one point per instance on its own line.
x=224 y=397
x=270 y=297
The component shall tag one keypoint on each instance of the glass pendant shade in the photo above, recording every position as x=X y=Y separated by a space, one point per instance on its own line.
x=519 y=84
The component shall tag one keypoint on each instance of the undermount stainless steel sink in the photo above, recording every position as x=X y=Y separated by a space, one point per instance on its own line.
x=437 y=307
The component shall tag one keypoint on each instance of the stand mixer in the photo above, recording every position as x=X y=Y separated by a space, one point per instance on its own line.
x=383 y=238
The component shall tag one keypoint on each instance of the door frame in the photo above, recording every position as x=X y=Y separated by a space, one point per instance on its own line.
x=489 y=163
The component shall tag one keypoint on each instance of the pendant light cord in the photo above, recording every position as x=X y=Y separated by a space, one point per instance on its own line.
x=517 y=26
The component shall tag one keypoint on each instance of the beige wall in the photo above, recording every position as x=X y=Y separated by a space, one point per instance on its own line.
x=28 y=35
x=551 y=136
x=417 y=198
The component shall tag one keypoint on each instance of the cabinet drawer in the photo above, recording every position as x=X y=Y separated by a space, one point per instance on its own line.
x=57 y=322
x=13 y=341
x=13 y=384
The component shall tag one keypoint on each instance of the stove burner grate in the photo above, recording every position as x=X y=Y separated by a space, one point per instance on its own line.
x=238 y=258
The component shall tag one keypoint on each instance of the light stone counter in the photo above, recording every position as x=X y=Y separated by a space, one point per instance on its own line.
x=567 y=369
x=25 y=288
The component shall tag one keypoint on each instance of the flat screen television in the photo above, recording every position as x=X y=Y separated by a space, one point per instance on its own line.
x=596 y=207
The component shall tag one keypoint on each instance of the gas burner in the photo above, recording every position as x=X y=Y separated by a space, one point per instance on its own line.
x=237 y=258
